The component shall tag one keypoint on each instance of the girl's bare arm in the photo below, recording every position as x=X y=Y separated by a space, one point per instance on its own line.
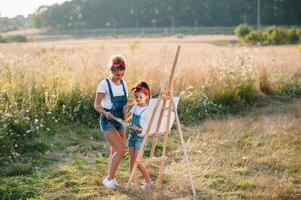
x=127 y=115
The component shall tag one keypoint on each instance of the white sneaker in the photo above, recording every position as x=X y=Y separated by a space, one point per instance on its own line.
x=109 y=183
x=115 y=182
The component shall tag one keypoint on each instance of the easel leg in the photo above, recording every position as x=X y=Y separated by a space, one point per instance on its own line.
x=158 y=182
x=184 y=147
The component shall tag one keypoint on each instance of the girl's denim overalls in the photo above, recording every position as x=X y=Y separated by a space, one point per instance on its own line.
x=134 y=140
x=117 y=110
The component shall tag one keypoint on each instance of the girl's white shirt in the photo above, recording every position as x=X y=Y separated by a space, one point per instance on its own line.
x=136 y=109
x=116 y=89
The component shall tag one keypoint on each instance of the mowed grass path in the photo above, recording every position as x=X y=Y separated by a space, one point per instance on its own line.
x=253 y=155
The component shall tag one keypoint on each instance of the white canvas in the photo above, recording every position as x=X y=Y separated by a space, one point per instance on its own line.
x=164 y=118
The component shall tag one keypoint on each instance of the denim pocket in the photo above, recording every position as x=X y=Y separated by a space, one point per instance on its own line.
x=105 y=125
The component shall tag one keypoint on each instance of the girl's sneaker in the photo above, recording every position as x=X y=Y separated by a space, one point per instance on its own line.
x=109 y=183
x=148 y=186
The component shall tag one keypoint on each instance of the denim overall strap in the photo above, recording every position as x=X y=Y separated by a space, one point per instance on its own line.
x=136 y=121
x=142 y=112
x=110 y=90
x=125 y=94
x=118 y=102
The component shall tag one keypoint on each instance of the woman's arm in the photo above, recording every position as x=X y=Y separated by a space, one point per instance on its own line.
x=97 y=105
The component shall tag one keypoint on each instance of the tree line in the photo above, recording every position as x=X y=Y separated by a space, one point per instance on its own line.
x=89 y=14
x=10 y=24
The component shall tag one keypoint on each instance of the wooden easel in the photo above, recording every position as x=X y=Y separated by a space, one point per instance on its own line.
x=166 y=94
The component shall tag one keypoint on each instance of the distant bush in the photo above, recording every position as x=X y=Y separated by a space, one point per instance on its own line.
x=13 y=38
x=270 y=36
x=254 y=37
x=197 y=106
x=242 y=30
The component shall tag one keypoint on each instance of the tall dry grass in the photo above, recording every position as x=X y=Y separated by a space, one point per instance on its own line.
x=48 y=83
x=84 y=62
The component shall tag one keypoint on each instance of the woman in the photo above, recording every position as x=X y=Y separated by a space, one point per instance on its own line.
x=111 y=99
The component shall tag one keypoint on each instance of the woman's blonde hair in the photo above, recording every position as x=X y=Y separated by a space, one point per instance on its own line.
x=117 y=62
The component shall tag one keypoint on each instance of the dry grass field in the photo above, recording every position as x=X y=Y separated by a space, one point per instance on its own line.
x=85 y=61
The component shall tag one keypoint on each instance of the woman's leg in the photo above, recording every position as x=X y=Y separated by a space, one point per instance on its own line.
x=112 y=151
x=117 y=144
x=122 y=133
x=142 y=169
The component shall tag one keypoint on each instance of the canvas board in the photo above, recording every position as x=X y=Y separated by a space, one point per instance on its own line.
x=151 y=108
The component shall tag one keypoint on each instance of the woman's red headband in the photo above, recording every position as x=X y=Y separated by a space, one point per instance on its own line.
x=120 y=65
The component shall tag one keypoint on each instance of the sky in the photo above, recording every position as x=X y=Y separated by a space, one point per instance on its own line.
x=12 y=8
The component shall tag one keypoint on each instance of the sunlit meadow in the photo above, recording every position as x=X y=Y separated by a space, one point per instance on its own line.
x=46 y=86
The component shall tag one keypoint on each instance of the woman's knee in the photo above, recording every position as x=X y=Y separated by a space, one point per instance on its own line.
x=112 y=151
x=120 y=151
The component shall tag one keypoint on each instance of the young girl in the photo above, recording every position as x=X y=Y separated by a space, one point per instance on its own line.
x=111 y=99
x=139 y=113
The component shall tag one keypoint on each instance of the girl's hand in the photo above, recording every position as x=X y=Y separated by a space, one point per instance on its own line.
x=135 y=128
x=131 y=101
x=125 y=108
x=126 y=114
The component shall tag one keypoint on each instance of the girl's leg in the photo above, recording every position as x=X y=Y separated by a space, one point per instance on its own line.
x=117 y=144
x=143 y=169
x=132 y=162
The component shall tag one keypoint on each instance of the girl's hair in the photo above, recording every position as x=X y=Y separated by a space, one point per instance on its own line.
x=117 y=62
x=142 y=86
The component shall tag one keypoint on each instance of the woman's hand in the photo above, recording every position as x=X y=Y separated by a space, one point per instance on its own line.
x=97 y=104
x=108 y=115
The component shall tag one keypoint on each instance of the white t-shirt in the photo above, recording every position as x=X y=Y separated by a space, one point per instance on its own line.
x=116 y=89
x=137 y=110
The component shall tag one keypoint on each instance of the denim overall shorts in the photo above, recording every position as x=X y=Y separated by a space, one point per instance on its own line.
x=117 y=110
x=134 y=140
